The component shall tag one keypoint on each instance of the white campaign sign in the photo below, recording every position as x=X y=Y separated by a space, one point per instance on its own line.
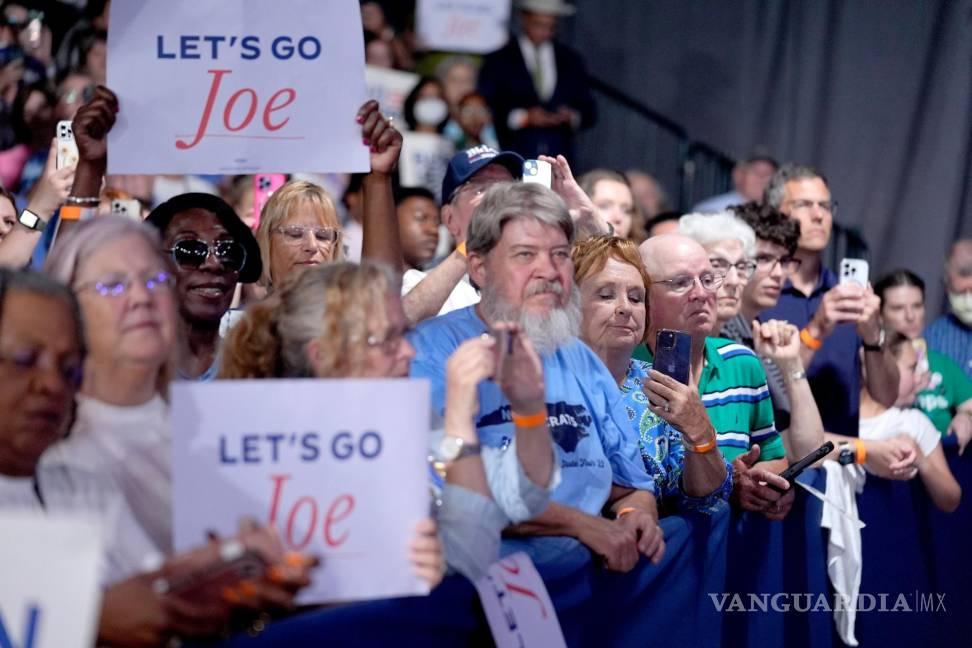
x=236 y=87
x=517 y=605
x=390 y=88
x=477 y=26
x=49 y=593
x=338 y=466
x=425 y=158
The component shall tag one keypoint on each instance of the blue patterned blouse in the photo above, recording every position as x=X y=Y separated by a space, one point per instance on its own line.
x=662 y=450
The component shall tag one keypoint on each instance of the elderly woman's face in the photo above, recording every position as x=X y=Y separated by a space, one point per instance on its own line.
x=303 y=239
x=724 y=255
x=128 y=307
x=613 y=307
x=40 y=362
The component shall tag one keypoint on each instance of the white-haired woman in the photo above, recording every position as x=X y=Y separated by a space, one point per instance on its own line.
x=731 y=244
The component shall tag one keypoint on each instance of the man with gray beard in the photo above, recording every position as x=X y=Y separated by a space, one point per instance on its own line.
x=519 y=255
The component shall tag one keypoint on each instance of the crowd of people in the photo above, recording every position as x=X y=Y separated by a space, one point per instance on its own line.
x=535 y=313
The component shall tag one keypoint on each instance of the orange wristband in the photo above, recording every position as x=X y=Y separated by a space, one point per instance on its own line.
x=531 y=420
x=625 y=511
x=810 y=341
x=701 y=448
x=861 y=452
x=73 y=213
x=461 y=248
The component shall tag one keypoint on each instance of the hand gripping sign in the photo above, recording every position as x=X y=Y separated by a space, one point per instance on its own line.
x=338 y=466
x=236 y=87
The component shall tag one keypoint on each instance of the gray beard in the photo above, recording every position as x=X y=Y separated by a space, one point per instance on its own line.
x=546 y=332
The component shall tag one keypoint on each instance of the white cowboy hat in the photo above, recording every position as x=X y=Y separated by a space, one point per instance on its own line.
x=549 y=7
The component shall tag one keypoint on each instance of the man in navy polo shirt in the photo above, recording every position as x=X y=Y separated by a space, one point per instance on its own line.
x=835 y=320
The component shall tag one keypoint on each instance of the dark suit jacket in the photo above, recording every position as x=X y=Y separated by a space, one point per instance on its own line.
x=506 y=83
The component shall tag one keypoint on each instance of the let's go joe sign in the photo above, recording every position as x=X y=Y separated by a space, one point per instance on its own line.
x=236 y=87
x=338 y=466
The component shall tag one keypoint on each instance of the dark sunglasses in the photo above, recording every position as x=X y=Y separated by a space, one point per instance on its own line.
x=192 y=253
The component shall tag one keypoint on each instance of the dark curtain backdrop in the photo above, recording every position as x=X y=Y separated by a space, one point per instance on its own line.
x=877 y=93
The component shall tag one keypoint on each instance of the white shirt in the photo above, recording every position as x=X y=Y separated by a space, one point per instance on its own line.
x=60 y=489
x=462 y=295
x=352 y=235
x=548 y=66
x=897 y=421
x=131 y=446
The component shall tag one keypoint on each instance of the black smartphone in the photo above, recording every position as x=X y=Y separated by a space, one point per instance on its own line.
x=673 y=352
x=793 y=470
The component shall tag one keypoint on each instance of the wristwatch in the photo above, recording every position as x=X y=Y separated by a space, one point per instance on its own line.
x=847 y=454
x=453 y=448
x=879 y=347
x=30 y=220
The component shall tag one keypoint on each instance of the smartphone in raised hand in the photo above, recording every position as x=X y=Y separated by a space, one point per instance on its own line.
x=538 y=171
x=264 y=184
x=67 y=147
x=854 y=271
x=673 y=353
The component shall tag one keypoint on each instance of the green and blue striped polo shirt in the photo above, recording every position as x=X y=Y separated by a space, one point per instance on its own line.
x=734 y=391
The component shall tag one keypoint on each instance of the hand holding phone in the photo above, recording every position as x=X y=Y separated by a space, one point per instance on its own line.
x=264 y=184
x=519 y=370
x=538 y=171
x=854 y=271
x=796 y=469
x=67 y=147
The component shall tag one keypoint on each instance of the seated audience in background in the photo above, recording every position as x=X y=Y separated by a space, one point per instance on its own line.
x=536 y=86
x=749 y=179
x=299 y=228
x=425 y=108
x=611 y=194
x=42 y=351
x=613 y=287
x=458 y=75
x=344 y=320
x=472 y=124
x=126 y=288
x=728 y=376
x=418 y=225
x=776 y=342
x=519 y=255
x=922 y=450
x=212 y=251
x=951 y=334
x=730 y=244
x=650 y=197
x=835 y=320
x=944 y=391
x=663 y=223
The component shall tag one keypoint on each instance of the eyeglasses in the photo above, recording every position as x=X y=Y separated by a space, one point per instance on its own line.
x=683 y=283
x=156 y=282
x=829 y=206
x=744 y=268
x=767 y=262
x=192 y=253
x=294 y=234
x=25 y=360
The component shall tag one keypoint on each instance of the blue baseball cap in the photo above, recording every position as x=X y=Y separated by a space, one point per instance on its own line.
x=468 y=163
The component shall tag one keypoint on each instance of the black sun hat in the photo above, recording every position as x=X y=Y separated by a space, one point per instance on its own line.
x=162 y=215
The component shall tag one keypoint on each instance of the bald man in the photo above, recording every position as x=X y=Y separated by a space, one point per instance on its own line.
x=731 y=380
x=951 y=334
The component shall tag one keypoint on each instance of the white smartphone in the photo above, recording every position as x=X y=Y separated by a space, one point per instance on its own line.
x=537 y=171
x=67 y=148
x=127 y=208
x=854 y=271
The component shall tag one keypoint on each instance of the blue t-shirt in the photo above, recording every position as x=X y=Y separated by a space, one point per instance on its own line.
x=662 y=449
x=950 y=337
x=593 y=439
x=835 y=373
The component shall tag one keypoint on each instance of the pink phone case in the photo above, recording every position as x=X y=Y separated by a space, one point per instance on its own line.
x=264 y=184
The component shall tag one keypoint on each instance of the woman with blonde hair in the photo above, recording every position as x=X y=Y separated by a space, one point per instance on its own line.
x=299 y=228
x=344 y=320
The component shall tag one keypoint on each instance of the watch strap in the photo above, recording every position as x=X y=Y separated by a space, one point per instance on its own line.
x=31 y=220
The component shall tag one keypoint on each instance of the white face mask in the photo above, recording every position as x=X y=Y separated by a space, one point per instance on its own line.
x=430 y=111
x=961 y=304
